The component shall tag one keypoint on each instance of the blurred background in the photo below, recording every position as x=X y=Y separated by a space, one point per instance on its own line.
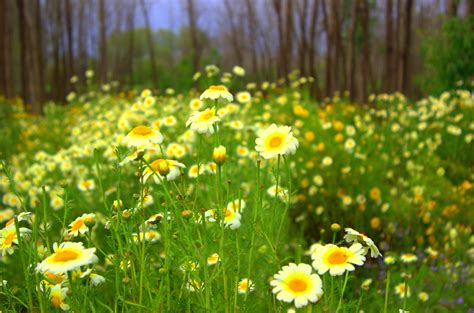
x=417 y=47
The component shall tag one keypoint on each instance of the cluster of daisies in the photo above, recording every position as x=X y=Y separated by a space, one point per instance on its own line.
x=297 y=283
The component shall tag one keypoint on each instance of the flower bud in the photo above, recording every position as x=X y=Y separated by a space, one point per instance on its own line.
x=219 y=155
x=335 y=227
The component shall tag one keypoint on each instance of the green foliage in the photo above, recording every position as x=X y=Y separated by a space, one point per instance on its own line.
x=449 y=56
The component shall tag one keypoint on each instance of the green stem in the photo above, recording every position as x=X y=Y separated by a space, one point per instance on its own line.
x=387 y=289
x=343 y=290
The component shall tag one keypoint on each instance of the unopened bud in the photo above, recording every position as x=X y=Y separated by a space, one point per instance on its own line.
x=186 y=213
x=219 y=155
x=335 y=227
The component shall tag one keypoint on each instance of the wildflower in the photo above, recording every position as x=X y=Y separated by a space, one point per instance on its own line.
x=282 y=193
x=337 y=260
x=294 y=282
x=423 y=296
x=245 y=286
x=219 y=155
x=389 y=260
x=162 y=168
x=143 y=136
x=408 y=258
x=354 y=236
x=238 y=70
x=402 y=289
x=366 y=284
x=81 y=224
x=195 y=171
x=213 y=259
x=203 y=121
x=66 y=257
x=216 y=92
x=243 y=97
x=150 y=235
x=327 y=161
x=195 y=104
x=8 y=237
x=275 y=140
x=194 y=285
x=86 y=185
x=57 y=295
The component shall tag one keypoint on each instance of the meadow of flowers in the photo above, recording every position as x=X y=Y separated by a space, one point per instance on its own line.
x=242 y=197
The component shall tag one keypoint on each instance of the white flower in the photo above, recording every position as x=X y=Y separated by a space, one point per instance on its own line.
x=275 y=140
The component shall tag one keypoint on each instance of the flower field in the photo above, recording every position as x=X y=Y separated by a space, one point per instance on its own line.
x=249 y=198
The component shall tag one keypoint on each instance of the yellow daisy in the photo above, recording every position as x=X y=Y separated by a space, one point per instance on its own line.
x=203 y=121
x=244 y=97
x=275 y=140
x=336 y=259
x=57 y=295
x=67 y=257
x=216 y=92
x=81 y=224
x=142 y=136
x=162 y=168
x=8 y=237
x=295 y=282
x=213 y=259
x=245 y=286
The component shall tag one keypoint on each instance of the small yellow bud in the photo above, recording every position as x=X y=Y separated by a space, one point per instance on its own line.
x=219 y=155
x=335 y=227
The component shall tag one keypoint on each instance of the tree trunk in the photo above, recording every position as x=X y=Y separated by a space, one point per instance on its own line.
x=364 y=8
x=131 y=39
x=253 y=27
x=151 y=47
x=390 y=69
x=312 y=51
x=452 y=7
x=70 y=52
x=329 y=45
x=281 y=64
x=288 y=48
x=192 y=17
x=233 y=32
x=303 y=44
x=351 y=53
x=403 y=83
x=102 y=64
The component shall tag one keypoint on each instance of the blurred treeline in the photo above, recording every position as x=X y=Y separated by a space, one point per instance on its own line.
x=362 y=46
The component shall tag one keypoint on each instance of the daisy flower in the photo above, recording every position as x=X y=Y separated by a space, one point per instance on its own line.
x=216 y=92
x=408 y=258
x=162 y=168
x=8 y=237
x=245 y=286
x=195 y=170
x=402 y=289
x=295 y=282
x=57 y=295
x=238 y=70
x=142 y=136
x=213 y=259
x=231 y=217
x=354 y=236
x=282 y=193
x=275 y=140
x=67 y=257
x=243 y=97
x=336 y=259
x=203 y=121
x=81 y=224
x=237 y=205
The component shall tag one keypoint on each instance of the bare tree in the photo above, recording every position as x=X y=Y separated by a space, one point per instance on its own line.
x=253 y=30
x=390 y=69
x=312 y=44
x=69 y=30
x=151 y=47
x=192 y=17
x=329 y=48
x=404 y=55
x=351 y=51
x=233 y=31
x=103 y=62
x=366 y=67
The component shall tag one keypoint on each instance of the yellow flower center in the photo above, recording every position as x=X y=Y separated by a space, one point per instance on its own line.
x=244 y=285
x=142 y=131
x=297 y=285
x=65 y=256
x=206 y=116
x=218 y=88
x=77 y=225
x=275 y=141
x=56 y=301
x=9 y=239
x=228 y=213
x=337 y=257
